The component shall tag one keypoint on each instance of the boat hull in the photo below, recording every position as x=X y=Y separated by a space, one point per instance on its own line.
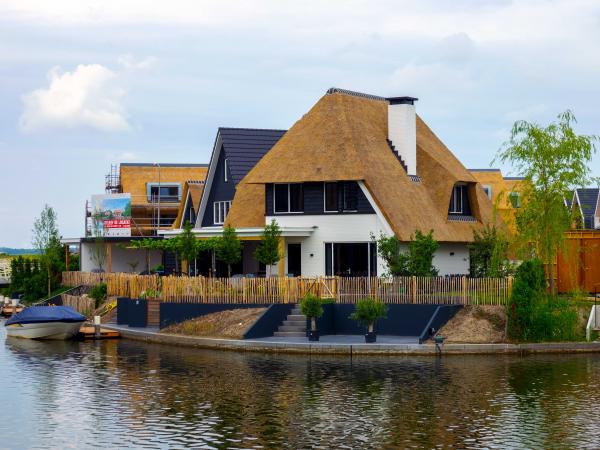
x=44 y=330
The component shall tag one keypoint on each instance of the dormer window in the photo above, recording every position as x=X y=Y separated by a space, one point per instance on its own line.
x=457 y=199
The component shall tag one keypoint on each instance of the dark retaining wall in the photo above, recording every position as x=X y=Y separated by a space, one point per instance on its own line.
x=402 y=320
x=132 y=312
x=171 y=313
x=269 y=322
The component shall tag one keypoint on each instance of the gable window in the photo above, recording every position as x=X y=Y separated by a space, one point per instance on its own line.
x=456 y=200
x=331 y=197
x=515 y=199
x=488 y=190
x=220 y=210
x=225 y=167
x=289 y=198
x=166 y=192
x=350 y=196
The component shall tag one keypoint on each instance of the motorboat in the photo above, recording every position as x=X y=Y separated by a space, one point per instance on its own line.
x=45 y=322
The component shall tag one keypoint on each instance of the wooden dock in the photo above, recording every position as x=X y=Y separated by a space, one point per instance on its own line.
x=89 y=332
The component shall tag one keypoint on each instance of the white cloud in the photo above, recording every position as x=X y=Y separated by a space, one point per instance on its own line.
x=130 y=63
x=87 y=97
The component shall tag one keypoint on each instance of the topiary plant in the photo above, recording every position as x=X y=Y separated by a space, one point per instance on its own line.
x=312 y=307
x=367 y=311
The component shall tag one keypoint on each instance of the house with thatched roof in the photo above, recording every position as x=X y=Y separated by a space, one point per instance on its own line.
x=354 y=166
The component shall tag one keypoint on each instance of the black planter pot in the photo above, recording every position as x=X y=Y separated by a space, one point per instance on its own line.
x=371 y=338
x=313 y=336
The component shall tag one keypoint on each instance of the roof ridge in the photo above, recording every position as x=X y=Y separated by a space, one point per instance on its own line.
x=250 y=129
x=334 y=90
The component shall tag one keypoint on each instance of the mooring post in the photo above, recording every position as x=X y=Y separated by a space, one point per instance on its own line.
x=97 y=327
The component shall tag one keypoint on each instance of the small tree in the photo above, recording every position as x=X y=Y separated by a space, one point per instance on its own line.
x=421 y=249
x=528 y=292
x=368 y=311
x=98 y=253
x=46 y=240
x=389 y=249
x=312 y=307
x=267 y=251
x=554 y=160
x=187 y=245
x=488 y=253
x=229 y=248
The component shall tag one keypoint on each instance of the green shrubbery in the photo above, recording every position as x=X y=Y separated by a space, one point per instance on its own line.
x=99 y=293
x=533 y=315
x=416 y=261
x=28 y=277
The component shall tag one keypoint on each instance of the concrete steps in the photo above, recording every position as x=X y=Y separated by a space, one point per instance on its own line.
x=293 y=326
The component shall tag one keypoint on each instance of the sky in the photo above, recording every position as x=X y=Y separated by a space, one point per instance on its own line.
x=86 y=84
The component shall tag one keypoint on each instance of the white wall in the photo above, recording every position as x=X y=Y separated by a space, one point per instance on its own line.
x=121 y=257
x=452 y=259
x=330 y=228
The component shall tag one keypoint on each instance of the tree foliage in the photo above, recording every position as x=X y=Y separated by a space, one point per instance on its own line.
x=228 y=248
x=533 y=315
x=267 y=251
x=417 y=260
x=368 y=310
x=488 y=253
x=554 y=160
x=46 y=241
x=312 y=307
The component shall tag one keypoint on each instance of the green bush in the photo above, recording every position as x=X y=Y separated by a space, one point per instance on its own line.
x=312 y=307
x=99 y=293
x=367 y=311
x=533 y=315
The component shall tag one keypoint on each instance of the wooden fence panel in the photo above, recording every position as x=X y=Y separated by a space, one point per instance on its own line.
x=396 y=290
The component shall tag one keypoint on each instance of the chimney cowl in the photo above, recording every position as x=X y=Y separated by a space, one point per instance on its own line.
x=402 y=100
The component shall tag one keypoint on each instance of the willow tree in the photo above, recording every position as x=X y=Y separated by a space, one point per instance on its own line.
x=554 y=161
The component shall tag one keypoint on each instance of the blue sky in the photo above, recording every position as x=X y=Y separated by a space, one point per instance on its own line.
x=84 y=84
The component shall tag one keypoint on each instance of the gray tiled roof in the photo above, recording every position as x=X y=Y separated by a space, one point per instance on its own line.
x=244 y=147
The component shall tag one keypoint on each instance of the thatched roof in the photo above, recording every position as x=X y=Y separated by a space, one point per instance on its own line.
x=192 y=192
x=344 y=137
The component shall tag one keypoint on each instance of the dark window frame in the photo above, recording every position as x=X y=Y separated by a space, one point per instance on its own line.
x=335 y=197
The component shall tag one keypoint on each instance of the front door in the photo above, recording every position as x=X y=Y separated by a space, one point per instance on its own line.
x=295 y=259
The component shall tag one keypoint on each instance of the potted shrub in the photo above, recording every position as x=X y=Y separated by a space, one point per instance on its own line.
x=312 y=307
x=367 y=311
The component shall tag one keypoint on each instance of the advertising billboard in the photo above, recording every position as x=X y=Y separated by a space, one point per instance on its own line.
x=111 y=214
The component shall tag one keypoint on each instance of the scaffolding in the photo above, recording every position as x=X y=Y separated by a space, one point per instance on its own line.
x=112 y=181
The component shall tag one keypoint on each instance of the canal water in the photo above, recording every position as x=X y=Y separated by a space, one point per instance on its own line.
x=125 y=394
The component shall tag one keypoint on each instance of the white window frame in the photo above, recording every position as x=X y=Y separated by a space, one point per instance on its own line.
x=226 y=165
x=457 y=206
x=289 y=199
x=220 y=211
x=488 y=190
x=325 y=183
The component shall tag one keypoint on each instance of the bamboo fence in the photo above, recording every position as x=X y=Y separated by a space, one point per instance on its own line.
x=396 y=290
x=83 y=305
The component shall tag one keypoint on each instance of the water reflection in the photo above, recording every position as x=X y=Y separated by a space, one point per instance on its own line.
x=124 y=394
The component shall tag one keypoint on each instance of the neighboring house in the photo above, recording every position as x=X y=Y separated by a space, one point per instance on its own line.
x=354 y=166
x=157 y=200
x=585 y=205
x=190 y=203
x=505 y=193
